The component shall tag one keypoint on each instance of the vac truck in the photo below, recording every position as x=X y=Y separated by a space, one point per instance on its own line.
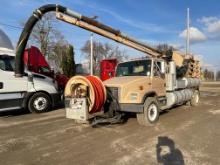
x=142 y=86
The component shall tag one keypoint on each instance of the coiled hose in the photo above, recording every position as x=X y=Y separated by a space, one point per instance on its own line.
x=90 y=87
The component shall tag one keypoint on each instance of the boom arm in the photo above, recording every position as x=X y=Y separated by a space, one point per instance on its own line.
x=74 y=18
x=108 y=32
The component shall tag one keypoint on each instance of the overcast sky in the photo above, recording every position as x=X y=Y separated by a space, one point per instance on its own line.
x=151 y=21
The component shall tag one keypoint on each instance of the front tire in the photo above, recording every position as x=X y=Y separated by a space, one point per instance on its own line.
x=151 y=112
x=39 y=102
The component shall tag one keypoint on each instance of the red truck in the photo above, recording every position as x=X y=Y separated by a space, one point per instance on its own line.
x=107 y=68
x=35 y=62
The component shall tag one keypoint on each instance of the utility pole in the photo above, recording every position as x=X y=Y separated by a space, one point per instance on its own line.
x=215 y=67
x=187 y=33
x=215 y=74
x=91 y=54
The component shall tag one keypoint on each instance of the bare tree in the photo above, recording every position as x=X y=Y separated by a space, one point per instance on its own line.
x=218 y=75
x=57 y=55
x=165 y=47
x=45 y=35
x=208 y=74
x=102 y=51
x=51 y=41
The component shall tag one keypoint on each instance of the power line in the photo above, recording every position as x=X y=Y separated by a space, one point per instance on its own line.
x=12 y=26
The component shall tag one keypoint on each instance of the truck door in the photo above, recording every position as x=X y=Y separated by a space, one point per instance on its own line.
x=12 y=89
x=158 y=78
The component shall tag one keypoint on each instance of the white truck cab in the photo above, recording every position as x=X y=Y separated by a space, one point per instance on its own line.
x=35 y=92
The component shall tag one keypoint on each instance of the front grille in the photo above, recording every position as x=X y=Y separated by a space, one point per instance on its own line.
x=113 y=92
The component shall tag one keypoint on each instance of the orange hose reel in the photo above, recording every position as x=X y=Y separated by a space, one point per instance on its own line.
x=95 y=91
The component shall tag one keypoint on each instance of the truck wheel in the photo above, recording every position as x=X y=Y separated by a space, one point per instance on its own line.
x=39 y=102
x=151 y=112
x=195 y=98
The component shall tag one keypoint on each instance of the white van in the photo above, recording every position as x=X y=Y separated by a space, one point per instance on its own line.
x=35 y=92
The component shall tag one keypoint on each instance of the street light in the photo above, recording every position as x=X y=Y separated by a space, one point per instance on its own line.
x=187 y=33
x=91 y=48
x=91 y=54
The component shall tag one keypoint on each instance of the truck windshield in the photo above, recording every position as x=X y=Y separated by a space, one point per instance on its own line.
x=134 y=68
x=7 y=63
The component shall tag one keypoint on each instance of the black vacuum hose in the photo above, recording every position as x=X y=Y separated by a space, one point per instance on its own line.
x=37 y=14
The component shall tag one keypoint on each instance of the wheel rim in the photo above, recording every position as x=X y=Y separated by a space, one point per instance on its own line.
x=40 y=103
x=152 y=112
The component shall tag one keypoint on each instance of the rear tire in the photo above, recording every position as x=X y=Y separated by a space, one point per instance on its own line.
x=151 y=112
x=195 y=98
x=39 y=102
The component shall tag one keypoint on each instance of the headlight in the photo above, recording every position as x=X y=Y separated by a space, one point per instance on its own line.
x=133 y=96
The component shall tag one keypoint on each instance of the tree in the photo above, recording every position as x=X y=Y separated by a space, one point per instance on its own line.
x=51 y=41
x=102 y=51
x=165 y=47
x=208 y=75
x=57 y=54
x=68 y=62
x=44 y=34
x=205 y=73
x=218 y=75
